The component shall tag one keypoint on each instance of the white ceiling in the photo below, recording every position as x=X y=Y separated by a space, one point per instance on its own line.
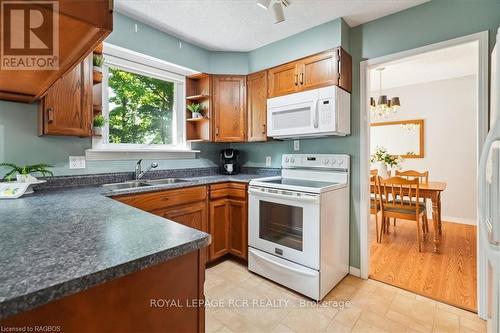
x=241 y=25
x=448 y=63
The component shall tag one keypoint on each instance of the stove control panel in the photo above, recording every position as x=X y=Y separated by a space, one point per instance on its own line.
x=322 y=161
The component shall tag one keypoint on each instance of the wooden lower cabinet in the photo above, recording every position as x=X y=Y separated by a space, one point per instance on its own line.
x=228 y=220
x=220 y=210
x=219 y=228
x=190 y=215
x=238 y=228
x=187 y=206
x=131 y=303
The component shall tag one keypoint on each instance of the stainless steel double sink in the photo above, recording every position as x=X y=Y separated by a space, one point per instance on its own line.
x=142 y=183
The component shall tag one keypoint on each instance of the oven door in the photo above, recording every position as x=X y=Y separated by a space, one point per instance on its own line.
x=286 y=224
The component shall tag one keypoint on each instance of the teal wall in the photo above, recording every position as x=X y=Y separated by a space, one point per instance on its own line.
x=19 y=143
x=158 y=44
x=314 y=40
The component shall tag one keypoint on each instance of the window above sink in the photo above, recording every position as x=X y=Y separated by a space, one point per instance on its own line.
x=143 y=102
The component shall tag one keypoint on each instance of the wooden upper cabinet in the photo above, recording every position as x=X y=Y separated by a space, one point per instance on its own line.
x=283 y=80
x=257 y=106
x=345 y=69
x=319 y=71
x=229 y=108
x=83 y=25
x=332 y=67
x=66 y=109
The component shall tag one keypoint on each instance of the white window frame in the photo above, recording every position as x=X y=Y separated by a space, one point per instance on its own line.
x=142 y=64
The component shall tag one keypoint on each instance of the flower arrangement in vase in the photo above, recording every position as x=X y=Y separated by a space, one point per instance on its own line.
x=384 y=159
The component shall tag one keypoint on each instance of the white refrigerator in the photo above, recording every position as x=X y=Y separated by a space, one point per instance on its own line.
x=489 y=201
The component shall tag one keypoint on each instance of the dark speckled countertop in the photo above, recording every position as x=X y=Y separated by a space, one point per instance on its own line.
x=58 y=242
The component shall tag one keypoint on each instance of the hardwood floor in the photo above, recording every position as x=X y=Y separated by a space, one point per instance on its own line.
x=448 y=277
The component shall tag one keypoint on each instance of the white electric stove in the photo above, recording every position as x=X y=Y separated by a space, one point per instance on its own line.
x=299 y=223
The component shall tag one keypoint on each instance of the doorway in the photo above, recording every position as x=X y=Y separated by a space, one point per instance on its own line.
x=396 y=259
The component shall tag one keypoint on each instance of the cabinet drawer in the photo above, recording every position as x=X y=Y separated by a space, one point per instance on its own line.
x=164 y=199
x=223 y=190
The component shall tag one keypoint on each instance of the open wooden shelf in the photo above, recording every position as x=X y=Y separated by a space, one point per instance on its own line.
x=197 y=97
x=199 y=90
x=197 y=140
x=196 y=119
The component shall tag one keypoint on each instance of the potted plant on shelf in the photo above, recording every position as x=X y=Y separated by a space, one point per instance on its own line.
x=24 y=173
x=195 y=109
x=97 y=60
x=98 y=123
x=383 y=159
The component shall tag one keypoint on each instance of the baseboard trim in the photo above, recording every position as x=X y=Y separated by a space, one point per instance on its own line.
x=458 y=220
x=355 y=271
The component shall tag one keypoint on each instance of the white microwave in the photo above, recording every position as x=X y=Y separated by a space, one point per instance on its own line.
x=314 y=113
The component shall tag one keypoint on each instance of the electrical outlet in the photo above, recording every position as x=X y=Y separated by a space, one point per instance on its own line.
x=77 y=162
x=296 y=145
x=268 y=161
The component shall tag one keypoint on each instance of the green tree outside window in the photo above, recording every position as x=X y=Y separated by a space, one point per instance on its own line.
x=141 y=108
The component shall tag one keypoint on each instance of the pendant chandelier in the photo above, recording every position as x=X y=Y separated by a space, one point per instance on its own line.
x=384 y=105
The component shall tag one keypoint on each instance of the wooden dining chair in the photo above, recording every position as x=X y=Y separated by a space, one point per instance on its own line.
x=375 y=204
x=423 y=178
x=408 y=209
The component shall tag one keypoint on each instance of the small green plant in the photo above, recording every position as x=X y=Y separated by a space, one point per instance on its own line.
x=99 y=121
x=97 y=60
x=195 y=109
x=26 y=170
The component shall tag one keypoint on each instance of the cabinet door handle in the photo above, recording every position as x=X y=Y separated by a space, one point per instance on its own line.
x=301 y=78
x=217 y=131
x=296 y=79
x=263 y=128
x=50 y=115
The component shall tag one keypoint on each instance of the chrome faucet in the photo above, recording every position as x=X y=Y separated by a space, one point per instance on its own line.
x=139 y=173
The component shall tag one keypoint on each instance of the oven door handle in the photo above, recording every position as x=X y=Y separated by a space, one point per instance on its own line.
x=302 y=198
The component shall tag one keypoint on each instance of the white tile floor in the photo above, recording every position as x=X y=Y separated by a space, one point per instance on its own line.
x=240 y=301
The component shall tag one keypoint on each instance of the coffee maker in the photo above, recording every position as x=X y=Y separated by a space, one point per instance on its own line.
x=229 y=162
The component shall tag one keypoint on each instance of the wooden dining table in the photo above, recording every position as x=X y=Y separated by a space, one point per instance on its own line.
x=432 y=191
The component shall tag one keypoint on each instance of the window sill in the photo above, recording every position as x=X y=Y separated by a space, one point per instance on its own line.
x=135 y=154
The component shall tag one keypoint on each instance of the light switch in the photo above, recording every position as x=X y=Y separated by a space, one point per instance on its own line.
x=77 y=162
x=268 y=161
